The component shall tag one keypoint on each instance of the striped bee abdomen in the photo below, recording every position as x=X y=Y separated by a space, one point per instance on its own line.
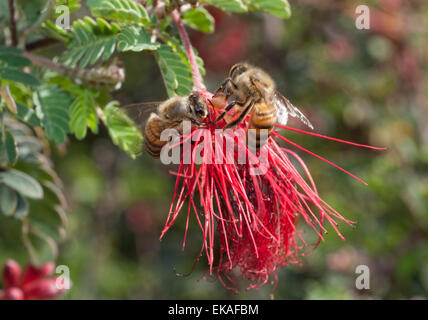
x=153 y=130
x=262 y=122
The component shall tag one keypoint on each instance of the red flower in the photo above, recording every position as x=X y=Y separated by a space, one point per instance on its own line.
x=249 y=221
x=32 y=284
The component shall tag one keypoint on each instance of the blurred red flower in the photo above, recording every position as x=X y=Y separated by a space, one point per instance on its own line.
x=32 y=284
x=339 y=49
x=228 y=45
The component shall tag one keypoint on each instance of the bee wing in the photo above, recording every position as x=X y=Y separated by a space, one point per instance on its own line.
x=285 y=108
x=140 y=112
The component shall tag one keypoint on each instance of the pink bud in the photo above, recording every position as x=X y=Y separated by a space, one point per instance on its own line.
x=42 y=289
x=47 y=269
x=11 y=273
x=33 y=273
x=13 y=294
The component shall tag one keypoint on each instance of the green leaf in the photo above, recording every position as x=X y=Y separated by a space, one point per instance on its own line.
x=54 y=194
x=8 y=200
x=14 y=60
x=55 y=31
x=52 y=107
x=72 y=5
x=122 y=130
x=237 y=6
x=49 y=215
x=178 y=48
x=18 y=76
x=28 y=147
x=136 y=39
x=200 y=63
x=92 y=42
x=27 y=115
x=122 y=11
x=168 y=77
x=10 y=50
x=10 y=146
x=82 y=114
x=46 y=219
x=175 y=72
x=199 y=19
x=22 y=182
x=279 y=8
x=22 y=207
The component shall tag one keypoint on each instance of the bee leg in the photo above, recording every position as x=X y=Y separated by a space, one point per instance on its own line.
x=241 y=116
x=196 y=122
x=228 y=107
x=224 y=84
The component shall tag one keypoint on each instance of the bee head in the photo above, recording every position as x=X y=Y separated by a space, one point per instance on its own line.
x=238 y=69
x=197 y=106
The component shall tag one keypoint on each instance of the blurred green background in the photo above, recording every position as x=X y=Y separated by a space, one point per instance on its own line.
x=367 y=86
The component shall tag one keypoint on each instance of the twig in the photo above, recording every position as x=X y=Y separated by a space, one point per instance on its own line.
x=113 y=75
x=13 y=23
x=197 y=79
x=44 y=62
x=37 y=44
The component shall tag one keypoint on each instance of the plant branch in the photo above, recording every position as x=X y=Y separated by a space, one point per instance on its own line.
x=37 y=44
x=13 y=23
x=197 y=79
x=112 y=75
x=44 y=62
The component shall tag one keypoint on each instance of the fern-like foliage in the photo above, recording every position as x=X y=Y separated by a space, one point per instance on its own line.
x=93 y=41
x=199 y=19
x=133 y=38
x=27 y=115
x=52 y=107
x=237 y=6
x=279 y=8
x=82 y=114
x=121 y=11
x=31 y=191
x=122 y=130
x=8 y=151
x=175 y=72
x=11 y=60
x=178 y=48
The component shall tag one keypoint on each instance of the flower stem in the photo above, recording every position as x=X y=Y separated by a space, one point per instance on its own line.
x=197 y=79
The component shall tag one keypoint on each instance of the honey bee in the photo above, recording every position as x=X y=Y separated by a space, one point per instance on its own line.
x=158 y=116
x=253 y=92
